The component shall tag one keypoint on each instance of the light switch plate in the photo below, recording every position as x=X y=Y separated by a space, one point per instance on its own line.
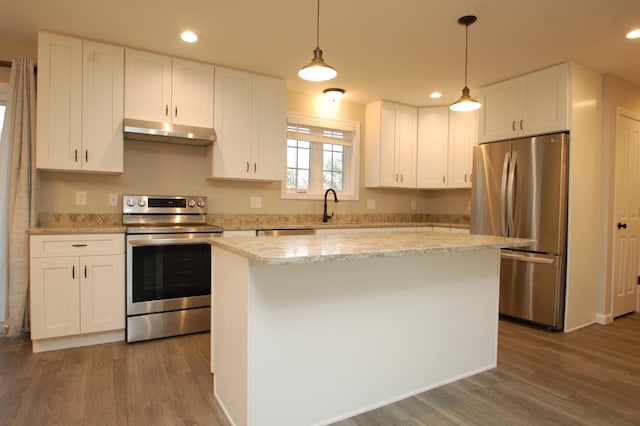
x=256 y=202
x=81 y=198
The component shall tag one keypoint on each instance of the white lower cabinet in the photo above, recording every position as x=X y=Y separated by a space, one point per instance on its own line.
x=76 y=288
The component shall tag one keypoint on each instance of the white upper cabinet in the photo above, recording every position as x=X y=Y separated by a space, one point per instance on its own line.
x=250 y=123
x=162 y=89
x=433 y=143
x=532 y=104
x=80 y=105
x=391 y=145
x=462 y=138
x=445 y=147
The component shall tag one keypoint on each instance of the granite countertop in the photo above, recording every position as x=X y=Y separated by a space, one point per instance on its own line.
x=321 y=248
x=76 y=229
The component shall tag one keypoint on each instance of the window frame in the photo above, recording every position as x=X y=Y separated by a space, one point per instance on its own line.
x=351 y=161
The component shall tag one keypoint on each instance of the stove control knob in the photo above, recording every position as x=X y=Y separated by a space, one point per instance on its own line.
x=141 y=202
x=131 y=202
x=200 y=203
x=192 y=203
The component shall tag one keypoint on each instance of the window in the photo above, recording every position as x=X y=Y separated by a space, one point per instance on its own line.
x=321 y=154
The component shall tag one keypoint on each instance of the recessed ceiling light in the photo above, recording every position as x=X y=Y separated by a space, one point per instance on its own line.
x=435 y=95
x=634 y=34
x=189 y=36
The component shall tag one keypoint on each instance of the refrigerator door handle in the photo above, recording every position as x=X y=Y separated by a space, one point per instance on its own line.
x=511 y=195
x=523 y=258
x=503 y=194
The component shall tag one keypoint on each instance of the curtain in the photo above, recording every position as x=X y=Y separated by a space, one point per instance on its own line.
x=19 y=133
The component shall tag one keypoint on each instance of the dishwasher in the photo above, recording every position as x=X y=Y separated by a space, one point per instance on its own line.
x=284 y=232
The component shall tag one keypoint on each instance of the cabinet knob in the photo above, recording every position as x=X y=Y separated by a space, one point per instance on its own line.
x=622 y=225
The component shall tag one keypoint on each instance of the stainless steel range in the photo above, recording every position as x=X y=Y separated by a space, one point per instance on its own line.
x=168 y=265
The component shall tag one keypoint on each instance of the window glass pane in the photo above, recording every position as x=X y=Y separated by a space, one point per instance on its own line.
x=304 y=144
x=292 y=177
x=303 y=179
x=292 y=157
x=303 y=158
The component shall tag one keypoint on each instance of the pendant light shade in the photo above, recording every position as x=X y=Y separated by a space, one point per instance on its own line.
x=317 y=69
x=466 y=102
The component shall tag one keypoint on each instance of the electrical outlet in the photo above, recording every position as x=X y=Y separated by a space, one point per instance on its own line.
x=113 y=199
x=371 y=204
x=81 y=198
x=256 y=202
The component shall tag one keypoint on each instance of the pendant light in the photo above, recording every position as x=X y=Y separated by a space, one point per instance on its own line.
x=317 y=69
x=466 y=102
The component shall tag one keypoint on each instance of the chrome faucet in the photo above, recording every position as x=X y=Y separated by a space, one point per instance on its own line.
x=325 y=216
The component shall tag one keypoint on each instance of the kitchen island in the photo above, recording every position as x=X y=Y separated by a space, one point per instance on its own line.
x=314 y=329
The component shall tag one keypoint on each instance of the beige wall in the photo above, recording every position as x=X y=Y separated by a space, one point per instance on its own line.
x=626 y=95
x=170 y=169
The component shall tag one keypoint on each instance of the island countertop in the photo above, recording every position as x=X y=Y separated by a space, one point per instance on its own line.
x=285 y=250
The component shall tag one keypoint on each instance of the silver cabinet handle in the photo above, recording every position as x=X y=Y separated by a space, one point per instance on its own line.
x=523 y=258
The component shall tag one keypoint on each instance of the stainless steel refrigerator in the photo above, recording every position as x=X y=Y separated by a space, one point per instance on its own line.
x=520 y=190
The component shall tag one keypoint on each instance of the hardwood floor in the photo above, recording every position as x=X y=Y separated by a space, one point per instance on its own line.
x=590 y=376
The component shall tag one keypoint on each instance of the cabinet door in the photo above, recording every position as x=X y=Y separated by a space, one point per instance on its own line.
x=462 y=138
x=268 y=126
x=102 y=107
x=406 y=146
x=59 y=104
x=192 y=93
x=54 y=297
x=102 y=296
x=232 y=121
x=388 y=134
x=499 y=113
x=433 y=140
x=147 y=86
x=543 y=101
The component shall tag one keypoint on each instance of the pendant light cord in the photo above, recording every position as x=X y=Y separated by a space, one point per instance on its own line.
x=318 y=26
x=466 y=52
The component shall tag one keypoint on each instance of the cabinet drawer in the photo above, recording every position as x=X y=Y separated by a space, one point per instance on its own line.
x=75 y=245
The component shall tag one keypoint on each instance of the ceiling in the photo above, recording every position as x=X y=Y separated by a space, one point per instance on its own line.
x=398 y=50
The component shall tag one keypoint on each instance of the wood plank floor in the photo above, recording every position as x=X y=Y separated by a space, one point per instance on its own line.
x=588 y=377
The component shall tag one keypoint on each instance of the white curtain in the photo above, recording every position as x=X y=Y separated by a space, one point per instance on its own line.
x=19 y=140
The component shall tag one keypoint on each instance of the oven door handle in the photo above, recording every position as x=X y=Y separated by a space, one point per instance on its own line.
x=167 y=241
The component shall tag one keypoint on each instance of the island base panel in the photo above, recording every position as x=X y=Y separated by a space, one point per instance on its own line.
x=325 y=341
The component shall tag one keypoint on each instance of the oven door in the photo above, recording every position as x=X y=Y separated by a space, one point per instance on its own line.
x=168 y=272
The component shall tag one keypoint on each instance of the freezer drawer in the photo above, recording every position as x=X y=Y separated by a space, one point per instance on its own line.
x=532 y=287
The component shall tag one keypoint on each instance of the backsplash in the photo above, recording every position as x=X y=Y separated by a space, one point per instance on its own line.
x=259 y=220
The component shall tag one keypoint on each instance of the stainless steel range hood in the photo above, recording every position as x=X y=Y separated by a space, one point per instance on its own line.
x=168 y=133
